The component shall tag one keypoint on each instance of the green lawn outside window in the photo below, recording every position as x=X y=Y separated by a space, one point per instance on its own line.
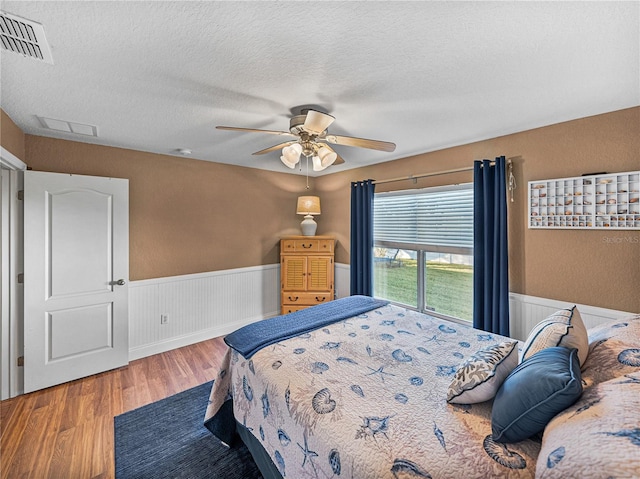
x=449 y=286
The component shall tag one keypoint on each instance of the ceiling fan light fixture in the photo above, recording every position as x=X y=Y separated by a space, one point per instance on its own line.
x=317 y=164
x=310 y=129
x=292 y=153
x=288 y=163
x=326 y=157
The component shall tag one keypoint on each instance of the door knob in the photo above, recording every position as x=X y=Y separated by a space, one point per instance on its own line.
x=120 y=282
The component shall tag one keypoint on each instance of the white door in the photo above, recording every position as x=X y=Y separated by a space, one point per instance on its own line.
x=76 y=270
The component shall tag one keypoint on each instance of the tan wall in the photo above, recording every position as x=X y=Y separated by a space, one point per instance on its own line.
x=599 y=267
x=11 y=137
x=189 y=216
x=186 y=216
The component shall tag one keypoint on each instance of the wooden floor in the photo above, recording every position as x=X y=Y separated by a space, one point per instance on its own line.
x=66 y=431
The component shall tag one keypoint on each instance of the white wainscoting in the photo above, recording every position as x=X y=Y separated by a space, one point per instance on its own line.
x=524 y=311
x=342 y=280
x=206 y=305
x=527 y=311
x=199 y=306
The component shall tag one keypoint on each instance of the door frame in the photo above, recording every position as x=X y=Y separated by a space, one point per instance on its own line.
x=11 y=292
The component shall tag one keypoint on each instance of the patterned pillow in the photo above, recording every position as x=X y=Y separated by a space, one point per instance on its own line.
x=614 y=350
x=562 y=328
x=538 y=389
x=479 y=377
x=599 y=436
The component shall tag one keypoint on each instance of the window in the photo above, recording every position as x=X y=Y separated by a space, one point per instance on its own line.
x=423 y=249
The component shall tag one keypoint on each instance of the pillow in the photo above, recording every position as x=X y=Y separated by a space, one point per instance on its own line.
x=599 y=436
x=480 y=376
x=562 y=328
x=614 y=350
x=538 y=389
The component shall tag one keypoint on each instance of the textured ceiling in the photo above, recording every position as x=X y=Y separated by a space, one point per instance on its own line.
x=158 y=76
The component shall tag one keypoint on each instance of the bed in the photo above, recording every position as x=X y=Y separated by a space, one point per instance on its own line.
x=359 y=388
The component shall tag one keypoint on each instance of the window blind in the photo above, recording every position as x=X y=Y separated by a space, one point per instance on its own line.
x=441 y=218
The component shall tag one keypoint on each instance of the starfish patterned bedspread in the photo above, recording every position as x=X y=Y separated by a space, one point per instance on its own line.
x=365 y=397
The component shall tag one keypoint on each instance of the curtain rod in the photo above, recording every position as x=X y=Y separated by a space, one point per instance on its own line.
x=424 y=175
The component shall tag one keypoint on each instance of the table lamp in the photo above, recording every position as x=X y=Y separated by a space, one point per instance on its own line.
x=308 y=206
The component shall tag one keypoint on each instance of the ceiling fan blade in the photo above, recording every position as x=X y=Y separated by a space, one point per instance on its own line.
x=360 y=142
x=339 y=159
x=316 y=122
x=271 y=132
x=274 y=147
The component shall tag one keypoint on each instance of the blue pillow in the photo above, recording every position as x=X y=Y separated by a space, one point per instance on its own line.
x=539 y=388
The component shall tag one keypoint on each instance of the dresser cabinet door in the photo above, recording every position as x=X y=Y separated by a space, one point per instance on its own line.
x=320 y=273
x=294 y=273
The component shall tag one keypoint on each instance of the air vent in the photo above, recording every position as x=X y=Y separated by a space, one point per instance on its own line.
x=25 y=37
x=68 y=126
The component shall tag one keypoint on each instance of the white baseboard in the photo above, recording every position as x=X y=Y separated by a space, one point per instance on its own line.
x=196 y=337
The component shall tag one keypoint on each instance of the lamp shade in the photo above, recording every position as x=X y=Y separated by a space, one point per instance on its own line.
x=308 y=205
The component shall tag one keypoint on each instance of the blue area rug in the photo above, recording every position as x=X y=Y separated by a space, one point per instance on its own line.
x=167 y=439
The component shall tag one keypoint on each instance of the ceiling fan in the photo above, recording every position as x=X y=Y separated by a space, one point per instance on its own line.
x=310 y=130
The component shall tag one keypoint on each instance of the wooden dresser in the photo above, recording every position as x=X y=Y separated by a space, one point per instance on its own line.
x=306 y=271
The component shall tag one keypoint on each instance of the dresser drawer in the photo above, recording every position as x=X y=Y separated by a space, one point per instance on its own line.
x=305 y=299
x=307 y=246
x=289 y=308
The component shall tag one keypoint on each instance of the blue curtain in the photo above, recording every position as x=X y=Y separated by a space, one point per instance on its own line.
x=490 y=252
x=362 y=237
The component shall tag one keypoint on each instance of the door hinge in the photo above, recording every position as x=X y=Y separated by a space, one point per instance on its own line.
x=20 y=361
x=21 y=195
x=20 y=278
